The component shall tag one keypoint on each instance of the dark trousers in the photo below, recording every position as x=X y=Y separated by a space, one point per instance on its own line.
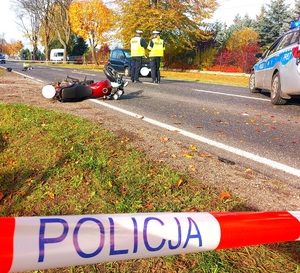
x=154 y=65
x=136 y=65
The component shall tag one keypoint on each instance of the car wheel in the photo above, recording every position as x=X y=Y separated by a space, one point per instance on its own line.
x=252 y=87
x=276 y=91
x=127 y=72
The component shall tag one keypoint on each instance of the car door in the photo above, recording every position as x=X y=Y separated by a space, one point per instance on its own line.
x=263 y=68
x=276 y=59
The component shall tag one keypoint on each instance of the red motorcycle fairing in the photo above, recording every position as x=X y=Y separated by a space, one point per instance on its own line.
x=101 y=89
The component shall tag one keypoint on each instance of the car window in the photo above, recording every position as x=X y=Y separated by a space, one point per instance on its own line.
x=120 y=54
x=295 y=37
x=127 y=53
x=273 y=48
x=285 y=41
x=113 y=54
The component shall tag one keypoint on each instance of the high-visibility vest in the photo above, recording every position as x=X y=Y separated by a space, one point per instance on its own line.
x=136 y=49
x=158 y=48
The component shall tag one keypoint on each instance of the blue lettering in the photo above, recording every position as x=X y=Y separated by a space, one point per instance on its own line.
x=43 y=240
x=75 y=238
x=135 y=235
x=195 y=236
x=147 y=220
x=112 y=240
x=179 y=236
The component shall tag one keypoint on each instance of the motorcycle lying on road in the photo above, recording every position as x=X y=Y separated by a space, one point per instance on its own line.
x=71 y=89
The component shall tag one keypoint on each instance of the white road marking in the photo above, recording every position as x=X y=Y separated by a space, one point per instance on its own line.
x=262 y=160
x=230 y=95
x=26 y=76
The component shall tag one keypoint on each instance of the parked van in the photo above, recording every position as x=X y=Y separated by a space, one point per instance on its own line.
x=57 y=55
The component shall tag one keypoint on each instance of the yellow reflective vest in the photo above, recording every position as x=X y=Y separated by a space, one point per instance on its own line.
x=156 y=47
x=135 y=47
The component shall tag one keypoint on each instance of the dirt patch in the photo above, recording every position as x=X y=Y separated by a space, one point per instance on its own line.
x=260 y=192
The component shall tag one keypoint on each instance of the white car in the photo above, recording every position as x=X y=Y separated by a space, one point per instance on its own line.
x=278 y=70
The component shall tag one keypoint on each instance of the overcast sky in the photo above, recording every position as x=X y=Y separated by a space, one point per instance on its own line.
x=226 y=12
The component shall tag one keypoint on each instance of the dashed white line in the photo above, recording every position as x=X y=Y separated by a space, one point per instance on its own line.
x=262 y=160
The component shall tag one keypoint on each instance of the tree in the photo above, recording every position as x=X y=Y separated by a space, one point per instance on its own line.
x=241 y=38
x=91 y=20
x=239 y=50
x=59 y=20
x=80 y=46
x=14 y=48
x=47 y=31
x=296 y=14
x=29 y=21
x=272 y=21
x=180 y=22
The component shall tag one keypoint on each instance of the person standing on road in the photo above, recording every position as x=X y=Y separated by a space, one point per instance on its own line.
x=156 y=49
x=137 y=48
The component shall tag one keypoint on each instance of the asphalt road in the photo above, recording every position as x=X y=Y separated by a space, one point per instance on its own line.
x=227 y=121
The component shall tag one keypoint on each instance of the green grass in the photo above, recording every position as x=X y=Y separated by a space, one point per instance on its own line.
x=58 y=164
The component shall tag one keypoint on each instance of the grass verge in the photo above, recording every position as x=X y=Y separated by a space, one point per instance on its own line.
x=58 y=164
x=233 y=79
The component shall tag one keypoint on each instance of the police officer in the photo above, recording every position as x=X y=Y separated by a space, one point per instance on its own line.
x=137 y=48
x=156 y=49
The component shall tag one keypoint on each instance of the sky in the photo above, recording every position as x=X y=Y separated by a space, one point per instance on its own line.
x=225 y=13
x=228 y=9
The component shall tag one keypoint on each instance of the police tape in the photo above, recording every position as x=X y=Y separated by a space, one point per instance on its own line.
x=32 y=243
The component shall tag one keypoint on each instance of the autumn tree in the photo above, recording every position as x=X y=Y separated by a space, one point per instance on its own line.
x=47 y=30
x=14 y=48
x=59 y=20
x=239 y=50
x=91 y=20
x=182 y=23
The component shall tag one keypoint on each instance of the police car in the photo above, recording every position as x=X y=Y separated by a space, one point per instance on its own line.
x=278 y=69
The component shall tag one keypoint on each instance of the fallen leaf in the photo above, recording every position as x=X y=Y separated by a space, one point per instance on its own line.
x=186 y=154
x=179 y=182
x=28 y=180
x=250 y=171
x=206 y=155
x=194 y=148
x=149 y=206
x=225 y=195
x=192 y=168
x=199 y=127
x=164 y=139
x=51 y=195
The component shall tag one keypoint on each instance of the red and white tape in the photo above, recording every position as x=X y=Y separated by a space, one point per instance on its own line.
x=32 y=243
